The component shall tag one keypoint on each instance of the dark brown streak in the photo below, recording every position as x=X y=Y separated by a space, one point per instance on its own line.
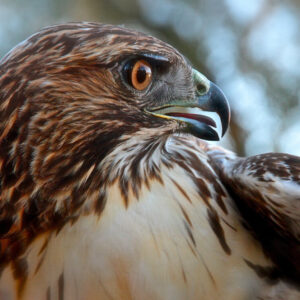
x=48 y=293
x=40 y=262
x=154 y=238
x=183 y=274
x=20 y=273
x=190 y=234
x=214 y=221
x=203 y=191
x=209 y=176
x=100 y=202
x=123 y=184
x=229 y=225
x=43 y=248
x=186 y=216
x=61 y=287
x=207 y=270
x=183 y=192
x=269 y=273
x=191 y=247
x=209 y=273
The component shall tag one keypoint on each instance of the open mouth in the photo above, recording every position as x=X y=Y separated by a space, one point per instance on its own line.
x=206 y=116
x=192 y=116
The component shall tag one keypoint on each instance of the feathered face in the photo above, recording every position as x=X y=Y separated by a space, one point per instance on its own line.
x=89 y=84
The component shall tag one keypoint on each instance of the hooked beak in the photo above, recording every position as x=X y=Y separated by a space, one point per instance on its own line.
x=206 y=116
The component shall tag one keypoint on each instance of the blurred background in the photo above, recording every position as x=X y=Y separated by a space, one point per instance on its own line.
x=251 y=49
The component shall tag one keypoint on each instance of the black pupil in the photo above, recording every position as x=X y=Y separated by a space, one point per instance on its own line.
x=141 y=74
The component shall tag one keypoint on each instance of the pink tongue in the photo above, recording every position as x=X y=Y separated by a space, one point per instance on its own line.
x=200 y=118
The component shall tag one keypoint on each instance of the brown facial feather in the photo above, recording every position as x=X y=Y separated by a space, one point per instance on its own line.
x=63 y=107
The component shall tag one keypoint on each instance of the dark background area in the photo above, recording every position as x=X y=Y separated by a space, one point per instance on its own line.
x=251 y=49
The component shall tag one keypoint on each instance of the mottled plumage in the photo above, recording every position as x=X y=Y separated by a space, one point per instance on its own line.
x=108 y=191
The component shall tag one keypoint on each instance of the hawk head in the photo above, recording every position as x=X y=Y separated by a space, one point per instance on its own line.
x=88 y=84
x=71 y=93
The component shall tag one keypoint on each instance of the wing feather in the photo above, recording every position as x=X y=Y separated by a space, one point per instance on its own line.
x=266 y=191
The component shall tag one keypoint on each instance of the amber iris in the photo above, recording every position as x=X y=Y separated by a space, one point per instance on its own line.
x=141 y=75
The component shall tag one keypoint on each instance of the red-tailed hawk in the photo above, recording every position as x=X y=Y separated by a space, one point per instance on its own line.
x=108 y=190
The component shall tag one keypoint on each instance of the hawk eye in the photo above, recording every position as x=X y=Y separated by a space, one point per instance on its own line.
x=139 y=74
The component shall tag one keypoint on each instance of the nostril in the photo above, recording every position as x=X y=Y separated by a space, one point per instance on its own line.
x=201 y=88
x=201 y=83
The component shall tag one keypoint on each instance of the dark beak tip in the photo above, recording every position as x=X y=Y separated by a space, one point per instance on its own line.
x=216 y=139
x=203 y=131
x=220 y=105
